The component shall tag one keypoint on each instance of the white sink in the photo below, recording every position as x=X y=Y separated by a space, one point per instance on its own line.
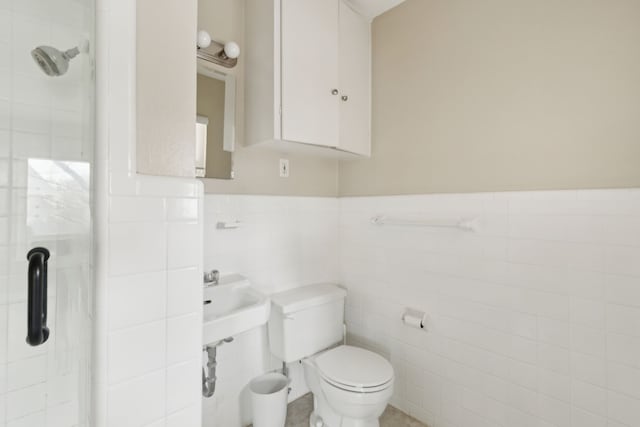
x=232 y=307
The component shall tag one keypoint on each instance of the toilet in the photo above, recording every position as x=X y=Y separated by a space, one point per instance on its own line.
x=351 y=386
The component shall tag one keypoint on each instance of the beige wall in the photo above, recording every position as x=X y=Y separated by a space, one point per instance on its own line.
x=256 y=170
x=503 y=95
x=166 y=87
x=210 y=104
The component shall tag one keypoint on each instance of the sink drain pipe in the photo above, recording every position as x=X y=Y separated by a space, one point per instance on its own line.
x=209 y=370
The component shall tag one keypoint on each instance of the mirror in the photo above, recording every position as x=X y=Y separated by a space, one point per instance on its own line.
x=215 y=124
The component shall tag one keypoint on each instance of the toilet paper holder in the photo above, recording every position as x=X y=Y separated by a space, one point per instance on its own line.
x=415 y=318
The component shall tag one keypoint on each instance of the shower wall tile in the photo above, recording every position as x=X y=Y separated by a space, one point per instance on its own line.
x=5 y=75
x=26 y=372
x=29 y=118
x=5 y=21
x=5 y=119
x=25 y=401
x=4 y=202
x=5 y=140
x=67 y=124
x=16 y=349
x=534 y=322
x=63 y=414
x=622 y=409
x=4 y=321
x=33 y=420
x=68 y=148
x=67 y=12
x=623 y=349
x=26 y=145
x=31 y=90
x=4 y=172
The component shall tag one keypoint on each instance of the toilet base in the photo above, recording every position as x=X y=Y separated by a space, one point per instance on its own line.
x=337 y=407
x=317 y=421
x=323 y=415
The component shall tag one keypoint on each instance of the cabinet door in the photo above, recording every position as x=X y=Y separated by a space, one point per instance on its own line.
x=355 y=82
x=310 y=71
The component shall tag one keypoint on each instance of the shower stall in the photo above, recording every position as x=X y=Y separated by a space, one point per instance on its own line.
x=47 y=104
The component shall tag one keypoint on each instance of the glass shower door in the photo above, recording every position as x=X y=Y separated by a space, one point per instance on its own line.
x=46 y=148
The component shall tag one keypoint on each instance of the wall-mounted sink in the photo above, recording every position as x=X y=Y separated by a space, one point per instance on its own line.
x=232 y=307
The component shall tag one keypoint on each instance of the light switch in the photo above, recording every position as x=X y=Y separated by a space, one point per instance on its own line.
x=284 y=168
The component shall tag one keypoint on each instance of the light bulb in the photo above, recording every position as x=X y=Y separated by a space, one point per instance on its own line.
x=204 y=39
x=232 y=50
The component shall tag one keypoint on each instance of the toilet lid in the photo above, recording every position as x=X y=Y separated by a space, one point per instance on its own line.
x=354 y=368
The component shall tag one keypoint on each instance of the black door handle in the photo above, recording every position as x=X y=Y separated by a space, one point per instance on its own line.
x=37 y=331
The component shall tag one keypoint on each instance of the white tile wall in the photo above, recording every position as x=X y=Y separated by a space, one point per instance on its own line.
x=533 y=321
x=152 y=312
x=50 y=118
x=282 y=242
x=519 y=312
x=147 y=342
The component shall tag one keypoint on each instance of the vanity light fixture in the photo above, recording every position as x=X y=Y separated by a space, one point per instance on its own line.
x=204 y=39
x=224 y=54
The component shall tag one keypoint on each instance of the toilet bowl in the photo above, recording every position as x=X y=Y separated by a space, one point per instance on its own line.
x=351 y=387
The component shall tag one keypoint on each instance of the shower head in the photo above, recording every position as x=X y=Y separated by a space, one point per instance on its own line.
x=52 y=61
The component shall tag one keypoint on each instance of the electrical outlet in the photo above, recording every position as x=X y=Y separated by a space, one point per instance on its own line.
x=284 y=168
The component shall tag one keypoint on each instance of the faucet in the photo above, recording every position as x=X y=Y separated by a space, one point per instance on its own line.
x=211 y=278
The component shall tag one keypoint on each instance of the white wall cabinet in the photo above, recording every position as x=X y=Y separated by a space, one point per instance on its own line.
x=308 y=85
x=355 y=82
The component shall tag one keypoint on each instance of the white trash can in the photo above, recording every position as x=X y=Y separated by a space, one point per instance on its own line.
x=269 y=400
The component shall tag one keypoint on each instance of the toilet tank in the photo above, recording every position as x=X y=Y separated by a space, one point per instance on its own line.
x=306 y=320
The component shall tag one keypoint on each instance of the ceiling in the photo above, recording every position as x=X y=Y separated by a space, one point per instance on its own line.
x=373 y=8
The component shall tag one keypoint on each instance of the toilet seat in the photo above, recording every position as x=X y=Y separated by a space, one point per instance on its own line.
x=357 y=389
x=355 y=369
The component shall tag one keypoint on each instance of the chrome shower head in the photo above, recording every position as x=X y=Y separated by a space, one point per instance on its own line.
x=52 y=61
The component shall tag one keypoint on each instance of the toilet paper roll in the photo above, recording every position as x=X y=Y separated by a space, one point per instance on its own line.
x=414 y=318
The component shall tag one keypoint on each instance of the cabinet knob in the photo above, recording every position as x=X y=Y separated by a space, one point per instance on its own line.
x=334 y=92
x=345 y=98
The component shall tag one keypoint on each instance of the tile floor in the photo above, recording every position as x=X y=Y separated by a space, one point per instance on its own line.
x=299 y=410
